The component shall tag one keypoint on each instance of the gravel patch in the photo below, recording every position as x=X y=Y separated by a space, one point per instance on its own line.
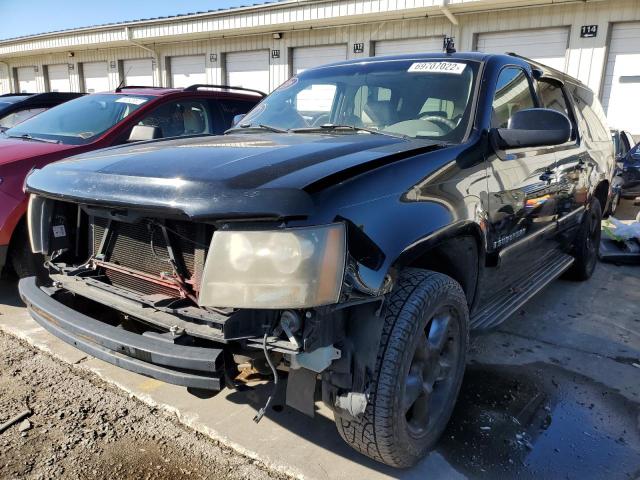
x=81 y=427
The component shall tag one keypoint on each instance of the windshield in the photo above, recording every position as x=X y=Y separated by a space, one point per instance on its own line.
x=419 y=99
x=81 y=120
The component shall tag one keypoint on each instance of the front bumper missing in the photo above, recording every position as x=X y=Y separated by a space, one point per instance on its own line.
x=187 y=366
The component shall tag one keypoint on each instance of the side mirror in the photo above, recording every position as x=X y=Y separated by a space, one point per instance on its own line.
x=634 y=153
x=533 y=127
x=237 y=119
x=144 y=132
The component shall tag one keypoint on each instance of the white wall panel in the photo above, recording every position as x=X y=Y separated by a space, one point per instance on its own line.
x=408 y=45
x=248 y=69
x=187 y=70
x=96 y=77
x=309 y=57
x=545 y=45
x=138 y=72
x=621 y=91
x=59 y=78
x=27 y=80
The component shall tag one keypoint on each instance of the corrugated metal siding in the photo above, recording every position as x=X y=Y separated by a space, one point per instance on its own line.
x=586 y=58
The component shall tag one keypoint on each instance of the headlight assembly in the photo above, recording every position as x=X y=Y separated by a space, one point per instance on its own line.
x=290 y=268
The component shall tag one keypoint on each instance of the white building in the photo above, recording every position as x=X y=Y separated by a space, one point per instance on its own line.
x=261 y=46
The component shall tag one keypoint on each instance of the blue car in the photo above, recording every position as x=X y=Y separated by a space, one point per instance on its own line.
x=627 y=178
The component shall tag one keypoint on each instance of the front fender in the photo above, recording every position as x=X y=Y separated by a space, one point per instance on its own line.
x=405 y=214
x=11 y=212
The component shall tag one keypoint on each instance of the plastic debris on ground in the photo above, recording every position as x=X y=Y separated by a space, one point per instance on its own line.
x=620 y=241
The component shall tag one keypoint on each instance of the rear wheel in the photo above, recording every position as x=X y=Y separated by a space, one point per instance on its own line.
x=420 y=365
x=587 y=243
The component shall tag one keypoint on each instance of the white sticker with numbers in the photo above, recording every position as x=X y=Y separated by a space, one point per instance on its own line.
x=59 y=231
x=438 y=67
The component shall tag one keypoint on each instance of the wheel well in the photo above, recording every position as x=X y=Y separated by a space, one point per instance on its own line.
x=602 y=193
x=457 y=258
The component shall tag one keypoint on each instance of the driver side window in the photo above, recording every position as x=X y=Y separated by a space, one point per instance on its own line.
x=513 y=93
x=181 y=118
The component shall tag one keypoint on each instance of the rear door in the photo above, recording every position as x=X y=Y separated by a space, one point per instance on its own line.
x=571 y=170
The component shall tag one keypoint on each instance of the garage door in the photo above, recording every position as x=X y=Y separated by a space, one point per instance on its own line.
x=309 y=57
x=621 y=89
x=96 y=77
x=248 y=69
x=186 y=71
x=408 y=45
x=26 y=80
x=59 y=78
x=547 y=46
x=138 y=72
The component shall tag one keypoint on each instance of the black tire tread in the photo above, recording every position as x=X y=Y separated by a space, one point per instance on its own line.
x=372 y=434
x=578 y=271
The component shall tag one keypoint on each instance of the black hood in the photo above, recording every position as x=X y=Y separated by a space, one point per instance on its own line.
x=246 y=175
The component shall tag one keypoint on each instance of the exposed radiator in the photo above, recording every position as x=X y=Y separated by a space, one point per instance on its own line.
x=141 y=248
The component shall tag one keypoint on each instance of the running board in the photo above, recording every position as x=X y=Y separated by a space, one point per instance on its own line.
x=500 y=308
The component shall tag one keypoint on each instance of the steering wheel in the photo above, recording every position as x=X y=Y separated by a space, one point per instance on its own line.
x=321 y=120
x=443 y=121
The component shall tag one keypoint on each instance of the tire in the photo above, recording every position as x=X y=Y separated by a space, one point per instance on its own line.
x=23 y=261
x=587 y=243
x=615 y=201
x=406 y=362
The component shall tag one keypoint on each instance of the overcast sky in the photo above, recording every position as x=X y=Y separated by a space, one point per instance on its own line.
x=26 y=17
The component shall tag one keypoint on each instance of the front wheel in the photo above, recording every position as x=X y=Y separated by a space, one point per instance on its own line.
x=419 y=370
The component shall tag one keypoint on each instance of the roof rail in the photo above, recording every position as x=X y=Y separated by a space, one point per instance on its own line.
x=126 y=87
x=194 y=88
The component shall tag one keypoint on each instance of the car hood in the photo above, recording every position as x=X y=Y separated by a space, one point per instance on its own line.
x=242 y=175
x=16 y=149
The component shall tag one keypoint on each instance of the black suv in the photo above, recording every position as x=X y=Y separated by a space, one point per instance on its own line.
x=351 y=229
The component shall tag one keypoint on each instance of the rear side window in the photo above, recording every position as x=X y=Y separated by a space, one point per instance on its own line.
x=594 y=119
x=176 y=119
x=513 y=93
x=231 y=108
x=552 y=96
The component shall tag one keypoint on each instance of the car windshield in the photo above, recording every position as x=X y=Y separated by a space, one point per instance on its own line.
x=81 y=120
x=429 y=98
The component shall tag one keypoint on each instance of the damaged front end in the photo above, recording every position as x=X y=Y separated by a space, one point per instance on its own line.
x=188 y=302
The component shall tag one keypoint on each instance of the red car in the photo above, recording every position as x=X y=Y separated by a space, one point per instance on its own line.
x=97 y=121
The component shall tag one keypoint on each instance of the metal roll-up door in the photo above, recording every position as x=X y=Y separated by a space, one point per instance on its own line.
x=138 y=72
x=188 y=70
x=309 y=57
x=408 y=45
x=621 y=88
x=248 y=69
x=95 y=76
x=544 y=45
x=26 y=80
x=59 y=78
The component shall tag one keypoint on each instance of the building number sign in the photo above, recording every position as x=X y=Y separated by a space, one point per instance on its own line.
x=589 y=31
